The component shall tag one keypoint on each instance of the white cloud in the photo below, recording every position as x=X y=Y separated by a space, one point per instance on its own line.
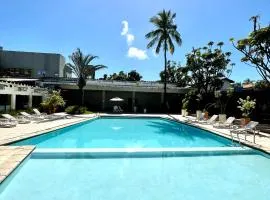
x=130 y=38
x=125 y=27
x=134 y=52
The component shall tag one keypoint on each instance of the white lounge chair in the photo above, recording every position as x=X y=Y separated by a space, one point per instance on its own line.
x=227 y=124
x=212 y=120
x=120 y=109
x=5 y=123
x=36 y=111
x=250 y=127
x=32 y=117
x=18 y=120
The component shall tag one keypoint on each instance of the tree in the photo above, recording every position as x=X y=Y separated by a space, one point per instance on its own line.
x=122 y=76
x=175 y=74
x=163 y=37
x=256 y=49
x=52 y=102
x=207 y=66
x=247 y=81
x=133 y=76
x=82 y=68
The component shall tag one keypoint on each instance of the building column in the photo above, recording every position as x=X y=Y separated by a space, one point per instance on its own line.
x=162 y=97
x=103 y=99
x=13 y=102
x=30 y=101
x=133 y=99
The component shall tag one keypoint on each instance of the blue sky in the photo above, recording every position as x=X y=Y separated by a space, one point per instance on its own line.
x=60 y=26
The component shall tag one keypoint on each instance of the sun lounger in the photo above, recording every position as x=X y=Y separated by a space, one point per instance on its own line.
x=5 y=123
x=212 y=120
x=18 y=120
x=250 y=127
x=227 y=124
x=31 y=117
x=120 y=109
x=117 y=109
x=36 y=111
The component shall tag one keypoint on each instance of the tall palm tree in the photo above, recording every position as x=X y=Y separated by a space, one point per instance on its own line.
x=255 y=20
x=162 y=36
x=82 y=68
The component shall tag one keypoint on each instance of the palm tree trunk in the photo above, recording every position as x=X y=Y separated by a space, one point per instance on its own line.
x=82 y=96
x=165 y=76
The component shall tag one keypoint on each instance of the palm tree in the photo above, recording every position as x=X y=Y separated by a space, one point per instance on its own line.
x=82 y=68
x=255 y=19
x=163 y=36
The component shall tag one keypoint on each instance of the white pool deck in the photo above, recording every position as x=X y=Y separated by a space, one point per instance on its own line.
x=12 y=156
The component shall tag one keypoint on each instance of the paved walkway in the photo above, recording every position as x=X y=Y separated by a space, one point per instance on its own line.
x=11 y=157
x=262 y=141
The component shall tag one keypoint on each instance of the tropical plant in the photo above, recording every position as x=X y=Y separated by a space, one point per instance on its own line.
x=52 y=102
x=163 y=36
x=223 y=98
x=76 y=110
x=246 y=106
x=256 y=49
x=122 y=76
x=133 y=76
x=83 y=68
x=207 y=67
x=175 y=74
x=262 y=84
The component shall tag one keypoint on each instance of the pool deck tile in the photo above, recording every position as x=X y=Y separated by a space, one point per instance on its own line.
x=11 y=157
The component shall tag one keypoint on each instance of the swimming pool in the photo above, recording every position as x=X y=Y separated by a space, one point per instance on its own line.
x=234 y=177
x=137 y=158
x=123 y=132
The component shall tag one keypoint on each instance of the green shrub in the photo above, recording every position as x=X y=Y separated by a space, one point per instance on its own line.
x=54 y=101
x=75 y=109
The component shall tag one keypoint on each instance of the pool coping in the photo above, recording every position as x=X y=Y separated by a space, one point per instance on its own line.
x=45 y=131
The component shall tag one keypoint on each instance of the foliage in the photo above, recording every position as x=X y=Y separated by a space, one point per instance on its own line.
x=162 y=36
x=256 y=49
x=75 y=109
x=246 y=106
x=189 y=99
x=53 y=101
x=83 y=68
x=262 y=84
x=207 y=66
x=247 y=81
x=175 y=74
x=133 y=75
x=223 y=98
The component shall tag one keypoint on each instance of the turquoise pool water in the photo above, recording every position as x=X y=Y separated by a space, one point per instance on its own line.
x=122 y=132
x=234 y=177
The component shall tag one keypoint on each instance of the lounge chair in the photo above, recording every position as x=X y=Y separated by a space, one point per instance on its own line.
x=18 y=120
x=32 y=117
x=36 y=111
x=120 y=109
x=212 y=120
x=250 y=127
x=227 y=124
x=5 y=123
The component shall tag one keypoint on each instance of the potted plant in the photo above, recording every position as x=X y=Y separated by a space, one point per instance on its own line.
x=198 y=111
x=185 y=103
x=246 y=106
x=205 y=110
x=223 y=98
